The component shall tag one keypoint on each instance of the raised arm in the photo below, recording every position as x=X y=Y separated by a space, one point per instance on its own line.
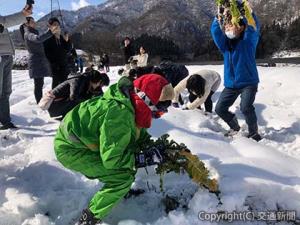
x=218 y=35
x=12 y=20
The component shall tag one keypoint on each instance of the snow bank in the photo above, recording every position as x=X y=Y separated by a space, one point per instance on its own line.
x=36 y=190
x=286 y=54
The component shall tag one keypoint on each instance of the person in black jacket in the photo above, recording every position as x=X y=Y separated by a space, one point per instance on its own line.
x=76 y=90
x=57 y=49
x=38 y=64
x=127 y=51
x=173 y=72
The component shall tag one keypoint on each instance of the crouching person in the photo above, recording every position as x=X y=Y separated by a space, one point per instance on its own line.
x=201 y=87
x=99 y=138
x=74 y=91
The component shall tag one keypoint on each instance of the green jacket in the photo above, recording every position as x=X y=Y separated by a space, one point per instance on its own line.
x=105 y=124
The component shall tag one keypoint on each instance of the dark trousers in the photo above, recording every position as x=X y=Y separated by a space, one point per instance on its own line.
x=61 y=108
x=208 y=102
x=6 y=64
x=59 y=74
x=228 y=97
x=107 y=68
x=38 y=89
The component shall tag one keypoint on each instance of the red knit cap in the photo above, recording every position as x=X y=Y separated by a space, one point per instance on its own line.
x=151 y=85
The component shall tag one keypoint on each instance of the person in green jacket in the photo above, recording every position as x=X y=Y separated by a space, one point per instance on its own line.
x=99 y=137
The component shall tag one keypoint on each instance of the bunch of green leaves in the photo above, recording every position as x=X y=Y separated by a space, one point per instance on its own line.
x=235 y=12
x=179 y=159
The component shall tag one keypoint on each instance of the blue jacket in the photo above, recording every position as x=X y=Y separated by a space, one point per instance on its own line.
x=239 y=55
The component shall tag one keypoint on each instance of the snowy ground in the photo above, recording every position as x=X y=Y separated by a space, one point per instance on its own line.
x=36 y=190
x=286 y=54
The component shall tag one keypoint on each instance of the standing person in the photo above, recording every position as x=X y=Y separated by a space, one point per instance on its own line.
x=6 y=62
x=142 y=58
x=201 y=87
x=99 y=138
x=106 y=62
x=80 y=63
x=57 y=48
x=38 y=64
x=128 y=52
x=238 y=46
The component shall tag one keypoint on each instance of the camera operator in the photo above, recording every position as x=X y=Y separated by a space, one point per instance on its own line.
x=6 y=61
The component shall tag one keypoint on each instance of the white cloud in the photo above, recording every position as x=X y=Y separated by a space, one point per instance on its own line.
x=80 y=4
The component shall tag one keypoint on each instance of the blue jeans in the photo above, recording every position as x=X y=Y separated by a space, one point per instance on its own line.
x=228 y=97
x=5 y=88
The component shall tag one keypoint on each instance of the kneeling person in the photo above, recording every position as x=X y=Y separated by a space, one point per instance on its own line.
x=99 y=138
x=76 y=90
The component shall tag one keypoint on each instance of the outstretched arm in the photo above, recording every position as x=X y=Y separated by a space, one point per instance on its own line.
x=37 y=38
x=12 y=20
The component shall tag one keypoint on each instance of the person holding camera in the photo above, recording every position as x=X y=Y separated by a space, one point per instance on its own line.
x=38 y=64
x=57 y=49
x=6 y=62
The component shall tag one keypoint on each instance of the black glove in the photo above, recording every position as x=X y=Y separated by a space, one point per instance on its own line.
x=87 y=218
x=175 y=105
x=149 y=157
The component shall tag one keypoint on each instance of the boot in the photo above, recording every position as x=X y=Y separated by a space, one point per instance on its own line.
x=87 y=218
x=7 y=126
x=234 y=124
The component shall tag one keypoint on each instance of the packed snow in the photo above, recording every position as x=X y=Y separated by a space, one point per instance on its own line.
x=36 y=190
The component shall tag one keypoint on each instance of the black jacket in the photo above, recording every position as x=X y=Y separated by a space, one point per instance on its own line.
x=128 y=52
x=76 y=88
x=173 y=72
x=57 y=50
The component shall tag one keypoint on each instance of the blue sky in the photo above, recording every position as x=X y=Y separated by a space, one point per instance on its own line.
x=42 y=7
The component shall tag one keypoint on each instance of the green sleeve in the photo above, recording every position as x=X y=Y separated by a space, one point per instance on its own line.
x=115 y=136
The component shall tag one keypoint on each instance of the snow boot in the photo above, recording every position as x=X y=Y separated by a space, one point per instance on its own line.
x=87 y=218
x=7 y=126
x=234 y=127
x=255 y=136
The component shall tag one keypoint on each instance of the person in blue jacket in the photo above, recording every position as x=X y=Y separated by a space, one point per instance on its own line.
x=238 y=46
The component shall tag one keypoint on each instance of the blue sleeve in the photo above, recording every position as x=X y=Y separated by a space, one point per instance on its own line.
x=218 y=36
x=252 y=33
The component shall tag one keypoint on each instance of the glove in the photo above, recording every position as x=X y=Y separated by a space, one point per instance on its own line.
x=184 y=107
x=175 y=104
x=87 y=218
x=149 y=157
